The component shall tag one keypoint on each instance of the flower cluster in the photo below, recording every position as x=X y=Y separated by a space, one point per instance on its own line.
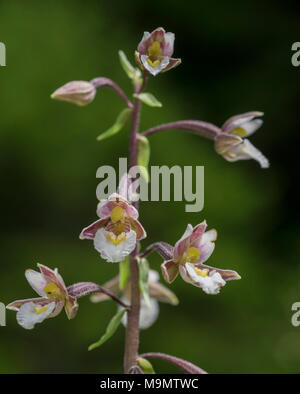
x=117 y=232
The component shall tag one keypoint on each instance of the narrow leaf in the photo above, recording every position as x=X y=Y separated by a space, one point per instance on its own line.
x=143 y=280
x=124 y=268
x=117 y=126
x=145 y=366
x=110 y=330
x=149 y=99
x=143 y=156
x=131 y=71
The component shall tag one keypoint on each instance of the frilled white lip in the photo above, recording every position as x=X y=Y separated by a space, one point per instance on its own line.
x=157 y=69
x=27 y=316
x=210 y=283
x=111 y=252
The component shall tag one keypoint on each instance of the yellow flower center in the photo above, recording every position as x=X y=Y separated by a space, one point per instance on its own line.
x=200 y=272
x=154 y=52
x=53 y=291
x=117 y=214
x=192 y=255
x=116 y=240
x=239 y=131
x=38 y=309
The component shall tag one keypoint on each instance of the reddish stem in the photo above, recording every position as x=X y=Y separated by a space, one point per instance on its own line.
x=133 y=316
x=100 y=82
x=204 y=129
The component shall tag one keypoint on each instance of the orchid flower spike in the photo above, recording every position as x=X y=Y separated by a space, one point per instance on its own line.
x=187 y=258
x=116 y=233
x=157 y=293
x=53 y=297
x=155 y=50
x=231 y=142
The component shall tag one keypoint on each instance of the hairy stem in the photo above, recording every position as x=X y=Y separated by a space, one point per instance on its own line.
x=82 y=289
x=101 y=82
x=204 y=129
x=133 y=316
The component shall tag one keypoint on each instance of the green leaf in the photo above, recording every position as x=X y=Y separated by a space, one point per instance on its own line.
x=143 y=280
x=131 y=71
x=149 y=99
x=124 y=269
x=143 y=156
x=117 y=126
x=145 y=366
x=110 y=330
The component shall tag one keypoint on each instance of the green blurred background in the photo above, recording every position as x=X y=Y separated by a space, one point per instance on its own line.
x=236 y=57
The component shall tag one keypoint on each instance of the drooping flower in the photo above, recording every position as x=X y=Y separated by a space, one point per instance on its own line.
x=157 y=292
x=76 y=92
x=116 y=233
x=188 y=257
x=231 y=142
x=155 y=50
x=53 y=298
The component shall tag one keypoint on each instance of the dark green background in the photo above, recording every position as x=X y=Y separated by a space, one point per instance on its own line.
x=236 y=57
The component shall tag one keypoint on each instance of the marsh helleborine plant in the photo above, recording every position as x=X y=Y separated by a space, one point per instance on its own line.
x=116 y=235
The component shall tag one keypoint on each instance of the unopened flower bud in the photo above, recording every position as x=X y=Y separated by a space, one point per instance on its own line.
x=76 y=92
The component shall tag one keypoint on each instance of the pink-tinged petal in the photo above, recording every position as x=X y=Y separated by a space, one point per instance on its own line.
x=142 y=48
x=209 y=236
x=137 y=57
x=168 y=46
x=172 y=64
x=36 y=281
x=148 y=38
x=124 y=188
x=169 y=270
x=184 y=274
x=71 y=307
x=53 y=276
x=103 y=209
x=207 y=245
x=226 y=274
x=206 y=250
x=16 y=305
x=90 y=231
x=196 y=236
x=247 y=151
x=132 y=212
x=59 y=304
x=234 y=121
x=225 y=142
x=182 y=245
x=138 y=228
